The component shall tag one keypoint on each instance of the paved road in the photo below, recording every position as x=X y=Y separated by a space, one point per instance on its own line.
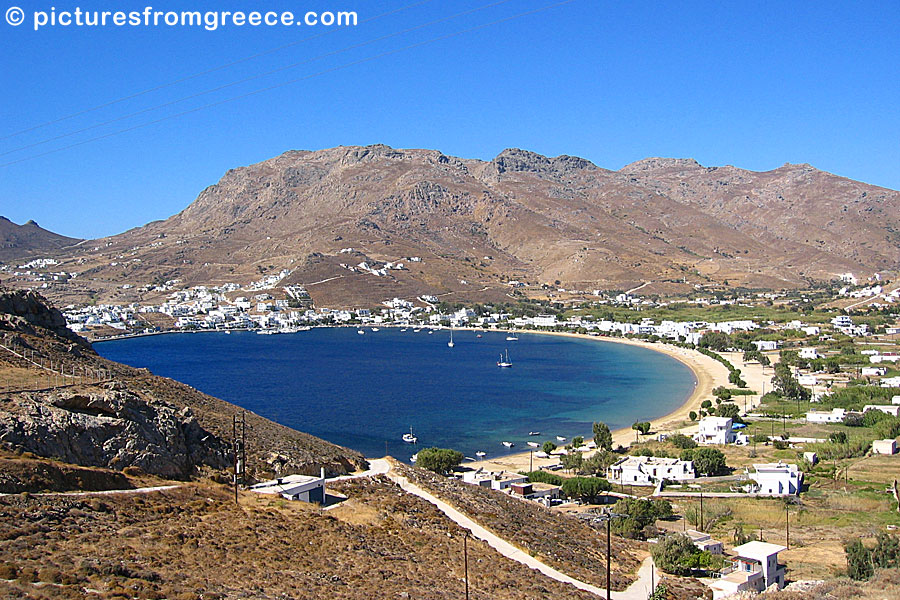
x=636 y=591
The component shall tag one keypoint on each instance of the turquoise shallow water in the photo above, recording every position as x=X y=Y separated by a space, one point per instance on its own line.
x=361 y=391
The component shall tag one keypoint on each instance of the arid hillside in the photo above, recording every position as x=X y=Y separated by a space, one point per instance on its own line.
x=462 y=228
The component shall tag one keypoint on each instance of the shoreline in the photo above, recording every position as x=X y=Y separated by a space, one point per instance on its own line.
x=708 y=374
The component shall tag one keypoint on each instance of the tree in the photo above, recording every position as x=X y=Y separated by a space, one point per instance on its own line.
x=642 y=514
x=544 y=477
x=599 y=462
x=679 y=440
x=577 y=441
x=727 y=409
x=439 y=460
x=587 y=489
x=722 y=392
x=548 y=447
x=675 y=554
x=693 y=415
x=716 y=341
x=572 y=461
x=708 y=461
x=787 y=385
x=734 y=377
x=859 y=560
x=838 y=437
x=602 y=435
x=707 y=404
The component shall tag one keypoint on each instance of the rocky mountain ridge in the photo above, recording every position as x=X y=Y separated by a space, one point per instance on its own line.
x=477 y=224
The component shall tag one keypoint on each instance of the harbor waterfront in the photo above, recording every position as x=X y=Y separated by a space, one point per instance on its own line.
x=366 y=391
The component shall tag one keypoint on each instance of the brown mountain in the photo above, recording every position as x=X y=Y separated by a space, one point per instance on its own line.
x=520 y=216
x=30 y=239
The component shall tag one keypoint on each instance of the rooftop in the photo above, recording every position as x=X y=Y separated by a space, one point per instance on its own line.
x=758 y=550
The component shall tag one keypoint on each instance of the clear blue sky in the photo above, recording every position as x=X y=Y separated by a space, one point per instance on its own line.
x=752 y=84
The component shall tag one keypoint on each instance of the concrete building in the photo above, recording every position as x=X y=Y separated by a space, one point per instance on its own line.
x=705 y=542
x=835 y=415
x=888 y=447
x=754 y=568
x=649 y=470
x=809 y=353
x=715 y=430
x=777 y=479
x=295 y=487
x=890 y=409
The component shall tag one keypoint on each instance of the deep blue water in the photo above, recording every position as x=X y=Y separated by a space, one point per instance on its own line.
x=361 y=391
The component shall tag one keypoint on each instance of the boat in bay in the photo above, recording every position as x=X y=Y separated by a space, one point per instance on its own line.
x=504 y=362
x=409 y=438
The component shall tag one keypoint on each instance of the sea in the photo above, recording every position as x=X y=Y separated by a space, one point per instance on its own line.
x=364 y=391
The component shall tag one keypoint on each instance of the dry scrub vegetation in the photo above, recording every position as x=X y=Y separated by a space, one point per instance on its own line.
x=193 y=542
x=562 y=541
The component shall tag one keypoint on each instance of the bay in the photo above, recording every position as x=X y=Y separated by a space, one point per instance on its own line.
x=366 y=391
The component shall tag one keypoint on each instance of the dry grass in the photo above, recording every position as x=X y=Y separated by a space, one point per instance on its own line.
x=194 y=542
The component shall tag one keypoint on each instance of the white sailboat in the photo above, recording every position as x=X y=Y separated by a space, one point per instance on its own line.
x=361 y=331
x=450 y=343
x=409 y=438
x=481 y=454
x=504 y=362
x=508 y=444
x=534 y=444
x=512 y=338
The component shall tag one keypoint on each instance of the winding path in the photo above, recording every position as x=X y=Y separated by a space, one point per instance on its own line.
x=639 y=590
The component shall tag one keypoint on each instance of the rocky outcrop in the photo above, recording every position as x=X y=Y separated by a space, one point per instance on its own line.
x=115 y=429
x=26 y=311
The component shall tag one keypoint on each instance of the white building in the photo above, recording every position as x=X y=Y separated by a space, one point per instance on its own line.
x=295 y=487
x=715 y=430
x=807 y=380
x=705 y=542
x=496 y=480
x=809 y=353
x=777 y=479
x=765 y=345
x=836 y=415
x=648 y=470
x=890 y=409
x=754 y=568
x=873 y=371
x=888 y=447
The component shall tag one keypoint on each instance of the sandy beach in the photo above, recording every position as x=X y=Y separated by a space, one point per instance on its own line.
x=709 y=373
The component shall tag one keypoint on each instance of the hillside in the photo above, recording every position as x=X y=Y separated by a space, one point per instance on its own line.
x=22 y=241
x=477 y=224
x=63 y=401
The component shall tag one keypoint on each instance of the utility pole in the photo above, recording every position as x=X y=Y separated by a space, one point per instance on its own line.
x=466 y=560
x=701 y=511
x=787 y=525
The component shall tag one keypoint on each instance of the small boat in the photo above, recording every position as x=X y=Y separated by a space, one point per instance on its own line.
x=374 y=329
x=414 y=458
x=478 y=336
x=512 y=338
x=450 y=343
x=534 y=444
x=534 y=433
x=361 y=331
x=416 y=330
x=409 y=438
x=430 y=331
x=508 y=444
x=403 y=330
x=481 y=454
x=560 y=438
x=504 y=362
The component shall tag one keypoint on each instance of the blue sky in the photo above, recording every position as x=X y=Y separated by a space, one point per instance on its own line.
x=753 y=84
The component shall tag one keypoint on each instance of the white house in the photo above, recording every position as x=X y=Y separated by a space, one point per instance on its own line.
x=890 y=409
x=496 y=480
x=648 y=470
x=895 y=400
x=295 y=487
x=754 y=568
x=807 y=380
x=836 y=415
x=715 y=430
x=873 y=371
x=777 y=479
x=809 y=353
x=890 y=382
x=765 y=345
x=888 y=447
x=705 y=542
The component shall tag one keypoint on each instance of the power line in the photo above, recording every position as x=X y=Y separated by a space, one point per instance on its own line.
x=206 y=72
x=297 y=80
x=255 y=77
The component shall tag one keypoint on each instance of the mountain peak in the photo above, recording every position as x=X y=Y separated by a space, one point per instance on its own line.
x=659 y=163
